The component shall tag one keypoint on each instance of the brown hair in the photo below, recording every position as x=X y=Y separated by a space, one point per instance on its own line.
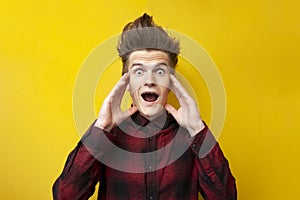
x=143 y=33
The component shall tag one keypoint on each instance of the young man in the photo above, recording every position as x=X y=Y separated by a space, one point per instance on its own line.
x=173 y=155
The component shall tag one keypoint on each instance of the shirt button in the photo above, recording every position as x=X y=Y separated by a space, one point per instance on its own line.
x=150 y=198
x=194 y=145
x=150 y=167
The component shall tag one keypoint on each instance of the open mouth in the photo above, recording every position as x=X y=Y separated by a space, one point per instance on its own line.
x=150 y=96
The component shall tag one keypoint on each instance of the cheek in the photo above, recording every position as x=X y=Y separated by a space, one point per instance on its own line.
x=165 y=92
x=134 y=86
x=164 y=82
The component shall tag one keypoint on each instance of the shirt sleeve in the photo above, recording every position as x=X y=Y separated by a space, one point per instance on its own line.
x=216 y=181
x=82 y=170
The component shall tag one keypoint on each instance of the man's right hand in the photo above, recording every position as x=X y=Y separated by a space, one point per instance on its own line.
x=110 y=113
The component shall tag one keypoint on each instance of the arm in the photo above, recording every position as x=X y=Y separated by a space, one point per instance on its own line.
x=80 y=175
x=83 y=170
x=111 y=113
x=214 y=176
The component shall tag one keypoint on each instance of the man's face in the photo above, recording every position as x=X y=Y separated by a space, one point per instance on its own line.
x=149 y=81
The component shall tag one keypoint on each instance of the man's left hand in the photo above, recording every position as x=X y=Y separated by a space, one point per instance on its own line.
x=187 y=115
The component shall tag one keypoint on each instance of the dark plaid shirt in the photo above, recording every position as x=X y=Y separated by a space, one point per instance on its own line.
x=200 y=167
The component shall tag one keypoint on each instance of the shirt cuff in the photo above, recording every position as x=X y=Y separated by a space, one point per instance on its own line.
x=97 y=138
x=203 y=142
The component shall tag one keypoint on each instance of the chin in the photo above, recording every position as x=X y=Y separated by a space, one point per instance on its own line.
x=151 y=113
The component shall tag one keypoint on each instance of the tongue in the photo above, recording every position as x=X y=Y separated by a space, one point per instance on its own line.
x=150 y=97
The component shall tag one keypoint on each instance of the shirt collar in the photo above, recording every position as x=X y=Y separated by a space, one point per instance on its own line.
x=161 y=121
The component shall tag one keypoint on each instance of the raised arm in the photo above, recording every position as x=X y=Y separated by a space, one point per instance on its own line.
x=81 y=173
x=214 y=175
x=188 y=109
x=83 y=169
x=111 y=113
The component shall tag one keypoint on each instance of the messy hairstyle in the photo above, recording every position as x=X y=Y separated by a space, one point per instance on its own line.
x=144 y=34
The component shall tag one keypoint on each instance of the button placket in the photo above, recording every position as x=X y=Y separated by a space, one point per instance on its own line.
x=152 y=162
x=151 y=148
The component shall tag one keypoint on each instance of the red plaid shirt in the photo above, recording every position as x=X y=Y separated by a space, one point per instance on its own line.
x=201 y=167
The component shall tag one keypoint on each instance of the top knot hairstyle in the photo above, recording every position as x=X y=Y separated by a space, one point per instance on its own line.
x=144 y=34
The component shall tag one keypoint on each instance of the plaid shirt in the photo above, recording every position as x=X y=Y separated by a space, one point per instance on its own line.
x=200 y=167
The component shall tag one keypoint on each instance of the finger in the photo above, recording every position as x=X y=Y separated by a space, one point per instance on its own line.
x=180 y=90
x=127 y=114
x=177 y=93
x=178 y=87
x=118 y=90
x=117 y=97
x=171 y=110
x=112 y=102
x=120 y=86
x=131 y=111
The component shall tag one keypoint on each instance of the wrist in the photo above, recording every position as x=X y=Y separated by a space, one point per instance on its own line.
x=196 y=129
x=100 y=124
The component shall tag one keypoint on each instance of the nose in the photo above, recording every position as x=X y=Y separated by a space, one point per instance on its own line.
x=150 y=80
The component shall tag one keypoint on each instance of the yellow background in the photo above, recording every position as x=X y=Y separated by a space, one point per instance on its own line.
x=254 y=44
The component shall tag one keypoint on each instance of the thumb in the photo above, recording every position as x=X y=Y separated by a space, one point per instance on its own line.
x=171 y=110
x=126 y=114
x=131 y=111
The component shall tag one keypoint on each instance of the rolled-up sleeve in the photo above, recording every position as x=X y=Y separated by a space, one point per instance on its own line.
x=82 y=170
x=214 y=176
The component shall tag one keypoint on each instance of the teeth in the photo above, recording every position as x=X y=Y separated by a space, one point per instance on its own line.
x=152 y=93
x=149 y=96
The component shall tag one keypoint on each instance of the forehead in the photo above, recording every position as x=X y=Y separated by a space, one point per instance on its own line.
x=148 y=56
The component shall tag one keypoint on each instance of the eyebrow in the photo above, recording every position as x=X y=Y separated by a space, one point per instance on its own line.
x=156 y=65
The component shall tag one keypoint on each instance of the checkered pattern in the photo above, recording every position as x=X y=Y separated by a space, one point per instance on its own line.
x=198 y=169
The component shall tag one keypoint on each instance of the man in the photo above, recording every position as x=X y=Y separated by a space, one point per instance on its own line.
x=173 y=154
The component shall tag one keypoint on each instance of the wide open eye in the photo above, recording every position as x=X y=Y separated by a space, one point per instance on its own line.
x=139 y=72
x=160 y=72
